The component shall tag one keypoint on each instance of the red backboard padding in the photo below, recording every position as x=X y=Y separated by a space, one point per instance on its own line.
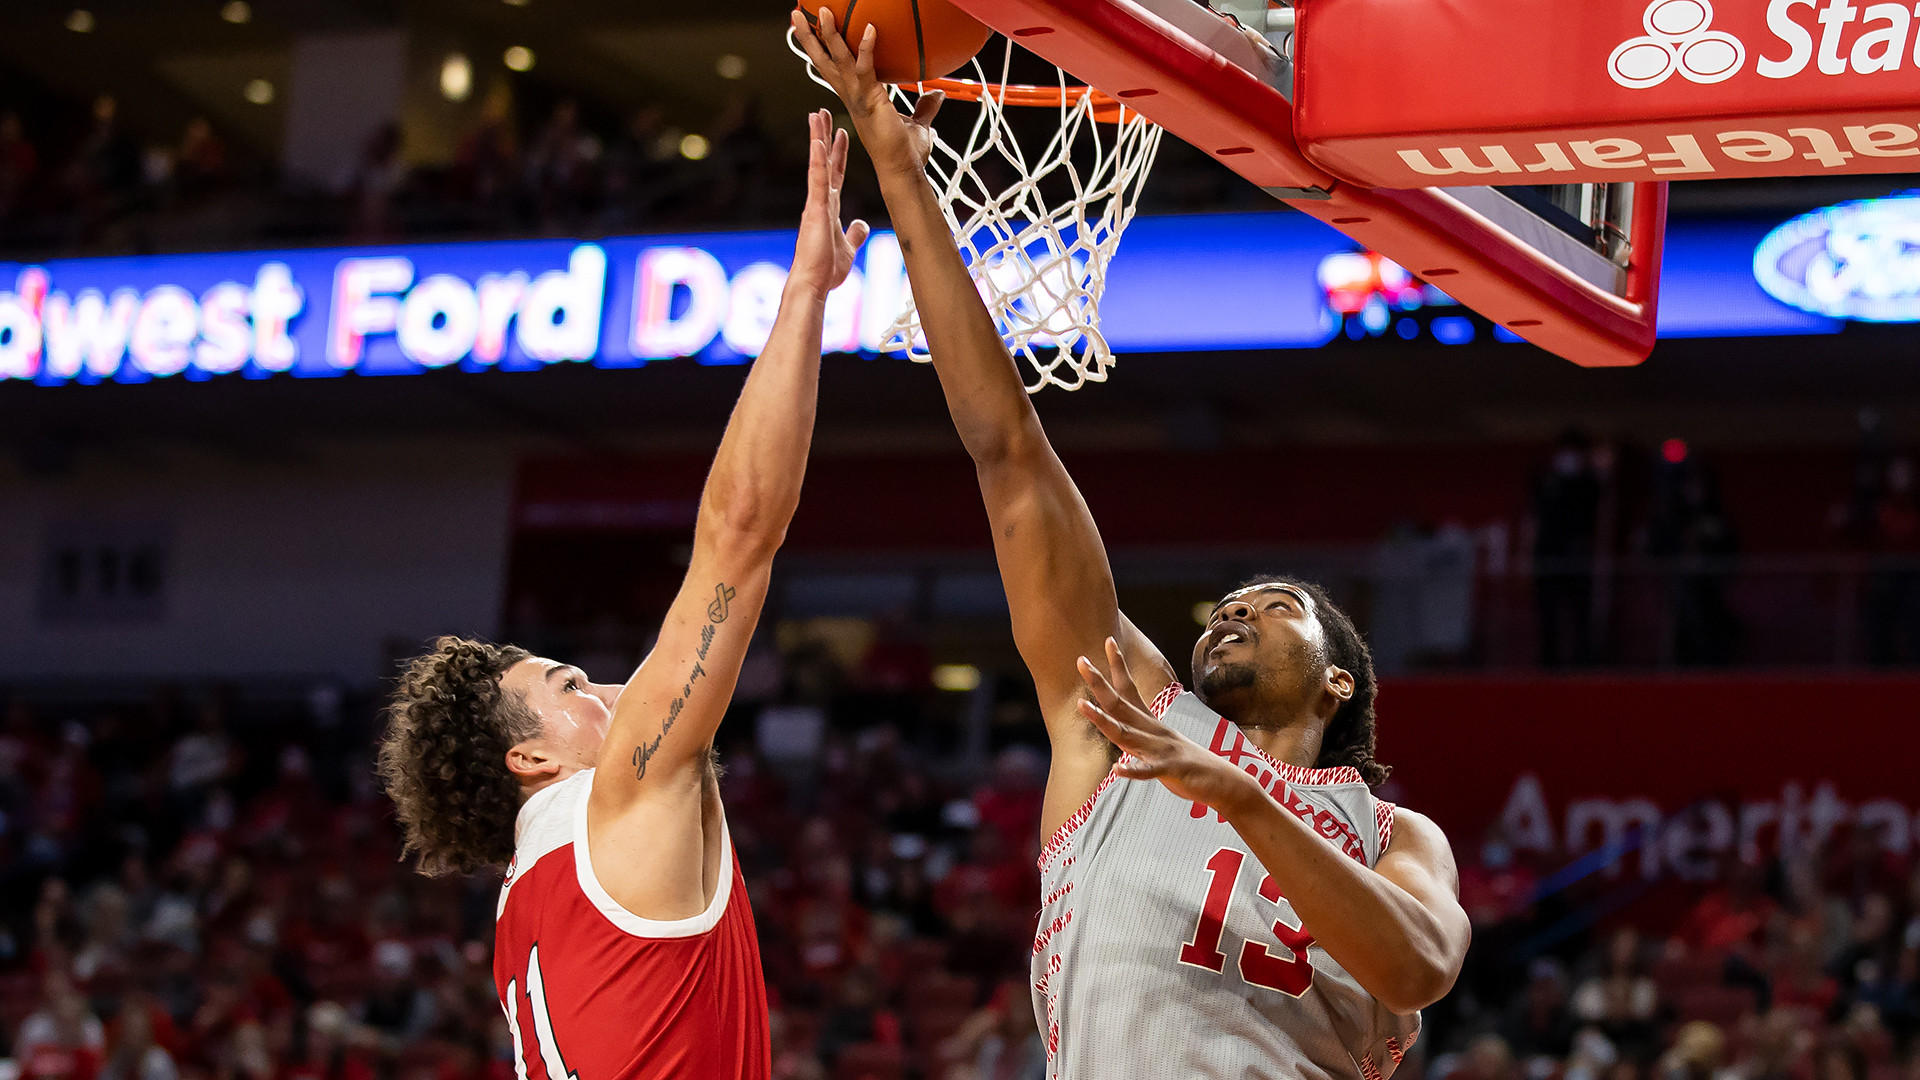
x=1409 y=93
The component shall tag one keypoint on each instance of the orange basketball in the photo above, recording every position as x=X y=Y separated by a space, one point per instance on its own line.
x=914 y=39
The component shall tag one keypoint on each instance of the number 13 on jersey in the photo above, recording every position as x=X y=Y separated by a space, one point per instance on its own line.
x=1290 y=972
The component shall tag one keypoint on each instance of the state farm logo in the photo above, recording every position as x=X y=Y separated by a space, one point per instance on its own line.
x=1678 y=39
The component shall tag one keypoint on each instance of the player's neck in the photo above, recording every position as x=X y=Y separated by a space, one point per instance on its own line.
x=1296 y=741
x=529 y=787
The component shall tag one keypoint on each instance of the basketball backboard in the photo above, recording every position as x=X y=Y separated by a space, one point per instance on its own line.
x=1585 y=289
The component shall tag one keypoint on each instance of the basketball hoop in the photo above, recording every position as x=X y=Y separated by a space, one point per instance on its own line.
x=1039 y=258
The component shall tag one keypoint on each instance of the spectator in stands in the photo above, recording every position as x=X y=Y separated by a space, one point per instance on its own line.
x=203 y=759
x=62 y=1039
x=1839 y=1060
x=1779 y=1049
x=1698 y=1053
x=742 y=163
x=1893 y=589
x=1733 y=915
x=377 y=177
x=1892 y=990
x=1621 y=979
x=558 y=167
x=998 y=1042
x=200 y=163
x=396 y=1005
x=1690 y=529
x=1867 y=942
x=487 y=164
x=856 y=1016
x=19 y=164
x=324 y=1047
x=107 y=931
x=1487 y=1057
x=1565 y=524
x=637 y=174
x=1539 y=1026
x=104 y=173
x=132 y=1054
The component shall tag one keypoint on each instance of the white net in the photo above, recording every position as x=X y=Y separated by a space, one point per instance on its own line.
x=1038 y=247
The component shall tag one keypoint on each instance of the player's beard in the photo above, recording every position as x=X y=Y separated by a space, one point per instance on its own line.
x=1226 y=678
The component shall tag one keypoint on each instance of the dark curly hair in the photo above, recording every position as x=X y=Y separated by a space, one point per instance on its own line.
x=443 y=757
x=1349 y=738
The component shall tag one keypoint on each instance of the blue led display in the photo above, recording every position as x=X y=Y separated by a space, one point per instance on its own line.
x=1195 y=283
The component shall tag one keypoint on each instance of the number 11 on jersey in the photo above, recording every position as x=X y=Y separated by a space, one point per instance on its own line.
x=1290 y=973
x=556 y=1065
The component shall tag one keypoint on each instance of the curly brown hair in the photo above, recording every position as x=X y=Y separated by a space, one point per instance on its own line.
x=443 y=757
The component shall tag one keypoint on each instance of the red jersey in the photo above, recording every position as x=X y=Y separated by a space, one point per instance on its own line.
x=595 y=992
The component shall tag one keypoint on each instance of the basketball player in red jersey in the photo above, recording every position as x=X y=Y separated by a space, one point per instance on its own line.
x=624 y=944
x=1256 y=912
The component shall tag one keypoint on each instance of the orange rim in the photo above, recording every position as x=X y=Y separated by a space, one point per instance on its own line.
x=1105 y=108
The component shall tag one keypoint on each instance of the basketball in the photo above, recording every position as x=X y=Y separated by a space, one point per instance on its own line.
x=914 y=39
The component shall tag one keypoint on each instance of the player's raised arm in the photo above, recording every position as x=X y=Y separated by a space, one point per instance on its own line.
x=664 y=720
x=1052 y=562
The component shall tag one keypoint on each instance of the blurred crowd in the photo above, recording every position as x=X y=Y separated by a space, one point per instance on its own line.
x=80 y=182
x=1804 y=968
x=108 y=188
x=204 y=886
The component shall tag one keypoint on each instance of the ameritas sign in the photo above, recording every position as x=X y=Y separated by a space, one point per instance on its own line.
x=1499 y=92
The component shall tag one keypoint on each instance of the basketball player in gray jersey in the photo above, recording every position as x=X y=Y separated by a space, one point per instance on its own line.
x=1223 y=897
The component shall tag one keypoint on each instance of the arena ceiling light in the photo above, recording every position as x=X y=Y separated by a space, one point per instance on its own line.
x=518 y=58
x=695 y=147
x=456 y=77
x=80 y=21
x=731 y=66
x=957 y=678
x=258 y=91
x=237 y=12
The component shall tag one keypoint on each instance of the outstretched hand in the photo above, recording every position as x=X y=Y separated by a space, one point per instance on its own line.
x=825 y=252
x=1154 y=751
x=893 y=139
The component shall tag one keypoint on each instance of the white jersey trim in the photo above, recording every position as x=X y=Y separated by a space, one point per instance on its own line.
x=627 y=921
x=539 y=829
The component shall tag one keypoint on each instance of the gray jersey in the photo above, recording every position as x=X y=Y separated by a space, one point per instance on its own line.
x=1165 y=950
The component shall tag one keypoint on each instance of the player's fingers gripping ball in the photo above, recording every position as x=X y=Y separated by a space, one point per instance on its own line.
x=916 y=39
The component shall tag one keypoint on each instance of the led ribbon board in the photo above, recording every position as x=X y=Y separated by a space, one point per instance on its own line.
x=1210 y=282
x=1188 y=284
x=1436 y=93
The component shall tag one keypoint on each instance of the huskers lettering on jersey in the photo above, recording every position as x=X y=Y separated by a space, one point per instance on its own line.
x=594 y=992
x=1156 y=919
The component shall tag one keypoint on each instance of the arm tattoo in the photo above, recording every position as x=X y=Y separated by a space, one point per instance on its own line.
x=716 y=614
